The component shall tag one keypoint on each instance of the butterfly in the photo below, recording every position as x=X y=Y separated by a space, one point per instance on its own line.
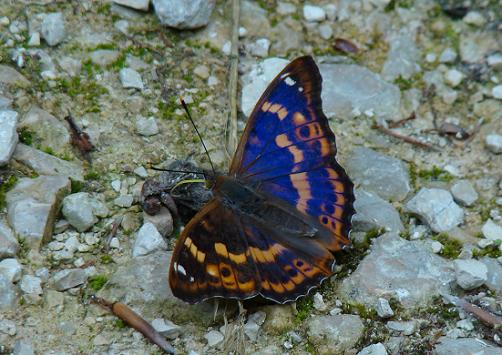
x=282 y=210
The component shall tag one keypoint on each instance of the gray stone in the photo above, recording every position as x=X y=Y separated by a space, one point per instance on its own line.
x=492 y=231
x=10 y=76
x=123 y=201
x=166 y=328
x=494 y=143
x=319 y=302
x=163 y=221
x=104 y=57
x=51 y=132
x=334 y=334
x=70 y=65
x=142 y=282
x=182 y=14
x=474 y=18
x=23 y=347
x=386 y=176
x=494 y=275
x=130 y=78
x=463 y=192
x=470 y=274
x=81 y=210
x=8 y=327
x=5 y=102
x=8 y=135
x=11 y=269
x=313 y=13
x=383 y=308
x=31 y=284
x=69 y=278
x=34 y=40
x=53 y=28
x=54 y=300
x=254 y=18
x=395 y=267
x=141 y=172
x=406 y=328
x=495 y=60
x=402 y=58
x=348 y=89
x=465 y=346
x=46 y=164
x=134 y=4
x=453 y=77
x=497 y=92
x=436 y=208
x=33 y=206
x=146 y=126
x=8 y=243
x=374 y=349
x=449 y=55
x=251 y=329
x=259 y=48
x=8 y=294
x=474 y=46
x=285 y=8
x=202 y=71
x=148 y=240
x=214 y=338
x=42 y=274
x=373 y=212
x=325 y=31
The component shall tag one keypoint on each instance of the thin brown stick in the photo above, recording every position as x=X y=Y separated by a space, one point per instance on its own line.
x=232 y=84
x=407 y=139
x=113 y=232
x=486 y=317
x=132 y=319
x=404 y=120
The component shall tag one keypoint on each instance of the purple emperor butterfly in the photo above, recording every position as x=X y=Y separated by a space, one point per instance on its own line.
x=282 y=210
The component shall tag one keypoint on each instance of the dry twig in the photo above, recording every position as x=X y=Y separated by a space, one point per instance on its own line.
x=132 y=319
x=232 y=84
x=407 y=139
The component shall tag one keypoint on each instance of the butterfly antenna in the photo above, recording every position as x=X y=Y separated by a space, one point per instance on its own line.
x=177 y=171
x=185 y=107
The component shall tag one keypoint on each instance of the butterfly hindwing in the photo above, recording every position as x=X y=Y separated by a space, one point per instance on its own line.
x=286 y=271
x=289 y=149
x=212 y=258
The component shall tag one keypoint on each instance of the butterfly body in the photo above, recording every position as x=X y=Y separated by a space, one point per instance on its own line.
x=285 y=207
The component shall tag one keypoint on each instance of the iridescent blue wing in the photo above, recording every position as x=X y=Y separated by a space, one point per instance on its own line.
x=288 y=150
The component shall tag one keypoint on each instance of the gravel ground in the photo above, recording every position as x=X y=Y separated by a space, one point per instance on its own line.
x=428 y=233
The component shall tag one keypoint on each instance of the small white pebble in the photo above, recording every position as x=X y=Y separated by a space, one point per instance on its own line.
x=497 y=92
x=313 y=13
x=436 y=247
x=430 y=58
x=454 y=77
x=115 y=243
x=227 y=48
x=243 y=31
x=474 y=18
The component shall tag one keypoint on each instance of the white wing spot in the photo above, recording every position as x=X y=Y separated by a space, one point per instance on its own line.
x=290 y=81
x=181 y=269
x=300 y=89
x=192 y=279
x=284 y=75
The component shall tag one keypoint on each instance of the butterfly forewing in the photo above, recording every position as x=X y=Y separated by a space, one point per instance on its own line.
x=289 y=148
